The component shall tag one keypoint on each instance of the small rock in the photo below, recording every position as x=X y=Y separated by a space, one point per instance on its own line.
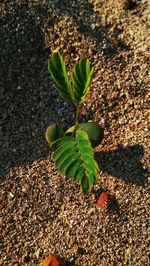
x=103 y=199
x=10 y=194
x=51 y=260
x=33 y=60
x=37 y=253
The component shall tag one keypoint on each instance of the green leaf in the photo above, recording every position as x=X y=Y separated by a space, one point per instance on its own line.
x=74 y=158
x=54 y=132
x=59 y=144
x=94 y=131
x=81 y=79
x=57 y=69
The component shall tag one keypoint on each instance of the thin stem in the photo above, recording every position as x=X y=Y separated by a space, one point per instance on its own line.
x=77 y=118
x=77 y=115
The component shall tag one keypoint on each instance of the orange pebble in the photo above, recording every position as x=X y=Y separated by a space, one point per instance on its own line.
x=103 y=199
x=51 y=260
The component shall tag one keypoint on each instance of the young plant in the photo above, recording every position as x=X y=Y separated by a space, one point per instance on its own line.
x=72 y=150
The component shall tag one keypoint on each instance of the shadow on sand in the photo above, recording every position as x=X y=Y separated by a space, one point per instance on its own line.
x=124 y=163
x=23 y=74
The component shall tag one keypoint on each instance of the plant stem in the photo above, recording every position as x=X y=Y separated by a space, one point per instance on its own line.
x=77 y=118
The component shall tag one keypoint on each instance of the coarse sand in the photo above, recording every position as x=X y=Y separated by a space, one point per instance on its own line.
x=41 y=211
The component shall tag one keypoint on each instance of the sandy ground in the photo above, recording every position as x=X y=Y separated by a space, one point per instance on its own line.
x=41 y=211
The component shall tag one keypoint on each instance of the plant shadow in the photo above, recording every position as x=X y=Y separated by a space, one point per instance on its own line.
x=69 y=263
x=124 y=163
x=77 y=11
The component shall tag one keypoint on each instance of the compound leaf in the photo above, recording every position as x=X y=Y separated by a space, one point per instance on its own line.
x=74 y=158
x=57 y=69
x=81 y=79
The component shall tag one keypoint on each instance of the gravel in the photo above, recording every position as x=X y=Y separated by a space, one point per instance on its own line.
x=41 y=211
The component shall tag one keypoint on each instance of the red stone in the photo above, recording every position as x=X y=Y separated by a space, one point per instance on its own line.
x=51 y=260
x=103 y=199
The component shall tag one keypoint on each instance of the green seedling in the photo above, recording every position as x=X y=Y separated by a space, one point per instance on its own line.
x=72 y=150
